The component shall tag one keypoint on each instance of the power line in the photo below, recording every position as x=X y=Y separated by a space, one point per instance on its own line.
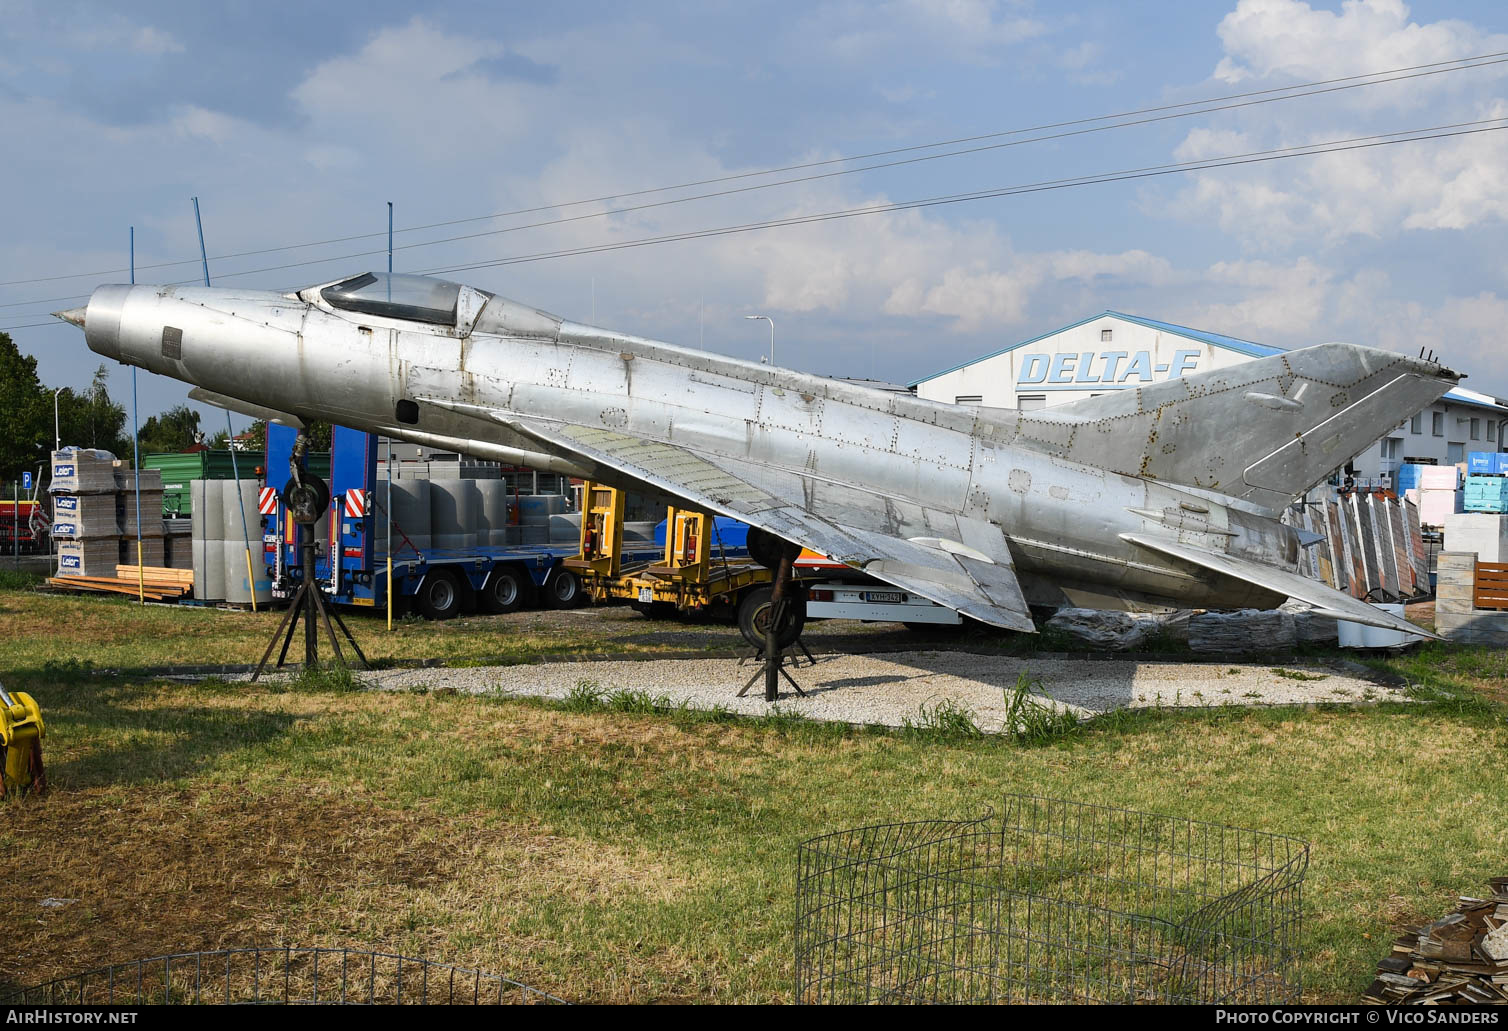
x=1484 y=62
x=1201 y=164
x=1271 y=95
x=1253 y=157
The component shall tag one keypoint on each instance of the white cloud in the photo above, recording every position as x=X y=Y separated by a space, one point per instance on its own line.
x=1274 y=301
x=1087 y=64
x=975 y=31
x=414 y=86
x=1447 y=183
x=99 y=32
x=1289 y=37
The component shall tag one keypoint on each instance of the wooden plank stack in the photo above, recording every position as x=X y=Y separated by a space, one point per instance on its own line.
x=157 y=583
x=1459 y=959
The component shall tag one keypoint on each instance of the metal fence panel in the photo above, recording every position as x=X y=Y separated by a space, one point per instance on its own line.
x=1051 y=901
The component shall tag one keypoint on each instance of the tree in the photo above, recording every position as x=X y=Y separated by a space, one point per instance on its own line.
x=173 y=430
x=27 y=435
x=92 y=420
x=256 y=437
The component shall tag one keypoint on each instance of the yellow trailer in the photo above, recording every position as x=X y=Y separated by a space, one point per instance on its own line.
x=693 y=576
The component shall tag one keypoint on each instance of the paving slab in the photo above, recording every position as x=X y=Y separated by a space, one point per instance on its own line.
x=890 y=689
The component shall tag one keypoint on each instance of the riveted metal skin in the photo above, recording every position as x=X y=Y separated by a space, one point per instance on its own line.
x=1156 y=497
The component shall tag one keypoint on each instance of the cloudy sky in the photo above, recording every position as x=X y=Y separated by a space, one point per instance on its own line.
x=297 y=123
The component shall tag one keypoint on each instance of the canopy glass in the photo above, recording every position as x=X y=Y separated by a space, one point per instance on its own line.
x=397 y=296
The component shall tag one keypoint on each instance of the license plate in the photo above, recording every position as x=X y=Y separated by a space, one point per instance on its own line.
x=646 y=594
x=886 y=597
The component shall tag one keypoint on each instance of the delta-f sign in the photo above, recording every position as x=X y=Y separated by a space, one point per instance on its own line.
x=1101 y=368
x=1157 y=495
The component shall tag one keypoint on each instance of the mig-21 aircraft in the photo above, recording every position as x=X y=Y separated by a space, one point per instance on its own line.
x=1160 y=496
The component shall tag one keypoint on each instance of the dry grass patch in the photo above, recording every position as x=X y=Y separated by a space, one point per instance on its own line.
x=173 y=871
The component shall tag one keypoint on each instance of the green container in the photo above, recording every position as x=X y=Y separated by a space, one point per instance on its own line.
x=180 y=470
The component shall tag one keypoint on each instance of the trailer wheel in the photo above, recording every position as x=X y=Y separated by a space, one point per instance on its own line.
x=754 y=615
x=563 y=590
x=439 y=596
x=507 y=591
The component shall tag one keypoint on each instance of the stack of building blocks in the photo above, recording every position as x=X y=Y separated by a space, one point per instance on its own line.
x=94 y=513
x=1440 y=493
x=1486 y=482
x=84 y=524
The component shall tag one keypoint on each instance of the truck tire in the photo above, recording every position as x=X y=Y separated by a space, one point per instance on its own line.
x=439 y=595
x=508 y=590
x=754 y=614
x=563 y=590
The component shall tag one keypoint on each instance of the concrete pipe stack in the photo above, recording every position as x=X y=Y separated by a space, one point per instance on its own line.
x=235 y=541
x=495 y=527
x=534 y=512
x=206 y=499
x=410 y=510
x=455 y=507
x=565 y=528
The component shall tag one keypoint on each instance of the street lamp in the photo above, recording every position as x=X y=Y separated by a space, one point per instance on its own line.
x=772 y=333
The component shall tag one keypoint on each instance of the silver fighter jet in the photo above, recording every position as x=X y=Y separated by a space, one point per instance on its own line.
x=1155 y=497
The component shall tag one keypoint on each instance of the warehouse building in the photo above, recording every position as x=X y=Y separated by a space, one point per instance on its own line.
x=1113 y=351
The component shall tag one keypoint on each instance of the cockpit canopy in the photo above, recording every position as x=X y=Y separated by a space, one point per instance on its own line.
x=397 y=296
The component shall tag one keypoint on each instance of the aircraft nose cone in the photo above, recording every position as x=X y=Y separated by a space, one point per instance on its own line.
x=73 y=315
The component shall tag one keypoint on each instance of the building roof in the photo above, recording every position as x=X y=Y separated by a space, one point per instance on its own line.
x=1462 y=396
x=1245 y=347
x=1458 y=395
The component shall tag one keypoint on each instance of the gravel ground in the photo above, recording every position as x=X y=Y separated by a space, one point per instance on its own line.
x=888 y=689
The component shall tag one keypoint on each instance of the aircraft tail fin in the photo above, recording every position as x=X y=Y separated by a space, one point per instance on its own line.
x=1263 y=431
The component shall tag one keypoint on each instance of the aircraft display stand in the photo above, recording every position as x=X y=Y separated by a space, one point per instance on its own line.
x=773 y=657
x=307 y=497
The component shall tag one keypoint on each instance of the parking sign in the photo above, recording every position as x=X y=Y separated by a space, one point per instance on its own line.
x=26 y=481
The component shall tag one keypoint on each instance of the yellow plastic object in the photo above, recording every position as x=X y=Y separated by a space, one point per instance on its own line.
x=21 y=733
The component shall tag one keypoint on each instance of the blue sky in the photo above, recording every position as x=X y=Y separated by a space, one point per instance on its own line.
x=295 y=123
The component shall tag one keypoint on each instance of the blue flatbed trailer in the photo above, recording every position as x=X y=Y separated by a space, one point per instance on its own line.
x=442 y=582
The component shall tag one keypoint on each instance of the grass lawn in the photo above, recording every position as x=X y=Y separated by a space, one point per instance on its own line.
x=636 y=857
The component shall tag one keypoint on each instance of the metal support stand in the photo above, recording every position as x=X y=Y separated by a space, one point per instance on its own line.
x=307 y=498
x=309 y=605
x=773 y=655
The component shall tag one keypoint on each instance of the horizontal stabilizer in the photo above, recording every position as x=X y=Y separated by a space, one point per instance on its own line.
x=1325 y=600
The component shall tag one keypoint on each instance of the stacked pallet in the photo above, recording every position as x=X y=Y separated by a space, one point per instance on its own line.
x=155 y=583
x=94 y=513
x=153 y=552
x=1459 y=959
x=85 y=522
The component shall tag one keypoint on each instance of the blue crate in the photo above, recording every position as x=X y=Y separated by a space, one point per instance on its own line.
x=1407 y=477
x=1481 y=463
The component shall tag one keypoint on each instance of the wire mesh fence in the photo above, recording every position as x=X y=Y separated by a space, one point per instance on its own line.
x=269 y=974
x=1051 y=901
